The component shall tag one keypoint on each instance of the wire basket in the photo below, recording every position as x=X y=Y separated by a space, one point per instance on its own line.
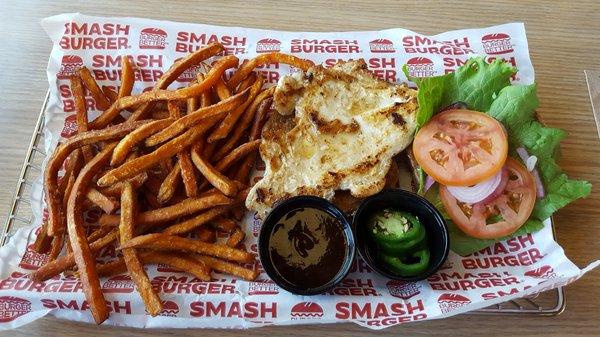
x=547 y=303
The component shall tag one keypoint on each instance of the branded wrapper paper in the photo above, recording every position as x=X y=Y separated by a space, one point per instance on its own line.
x=515 y=268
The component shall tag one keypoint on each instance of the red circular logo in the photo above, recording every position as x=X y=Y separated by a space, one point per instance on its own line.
x=153 y=38
x=13 y=307
x=381 y=46
x=420 y=67
x=69 y=66
x=268 y=46
x=70 y=127
x=403 y=290
x=450 y=302
x=306 y=310
x=544 y=272
x=498 y=43
x=118 y=284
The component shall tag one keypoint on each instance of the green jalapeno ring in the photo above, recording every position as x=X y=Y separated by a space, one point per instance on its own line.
x=404 y=247
x=416 y=230
x=398 y=266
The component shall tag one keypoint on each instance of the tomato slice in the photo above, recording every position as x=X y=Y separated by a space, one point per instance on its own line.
x=511 y=208
x=461 y=147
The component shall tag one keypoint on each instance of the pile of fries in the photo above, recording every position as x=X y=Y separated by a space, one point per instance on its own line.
x=167 y=178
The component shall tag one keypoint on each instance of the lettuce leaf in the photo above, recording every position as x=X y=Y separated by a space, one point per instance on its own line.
x=486 y=87
x=476 y=83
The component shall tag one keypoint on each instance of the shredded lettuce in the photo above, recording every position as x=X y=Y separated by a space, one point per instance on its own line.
x=486 y=87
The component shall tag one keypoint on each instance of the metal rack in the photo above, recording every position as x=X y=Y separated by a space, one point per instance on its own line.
x=548 y=303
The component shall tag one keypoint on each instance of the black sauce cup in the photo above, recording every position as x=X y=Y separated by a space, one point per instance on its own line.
x=279 y=211
x=437 y=233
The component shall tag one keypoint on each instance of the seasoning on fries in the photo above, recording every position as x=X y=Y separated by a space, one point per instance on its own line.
x=179 y=165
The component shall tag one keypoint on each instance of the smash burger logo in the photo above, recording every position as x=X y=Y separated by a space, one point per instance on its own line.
x=69 y=66
x=317 y=46
x=170 y=309
x=13 y=307
x=262 y=287
x=403 y=290
x=153 y=38
x=189 y=42
x=147 y=68
x=380 y=313
x=544 y=272
x=306 y=310
x=118 y=284
x=189 y=74
x=94 y=36
x=381 y=46
x=450 y=302
x=420 y=67
x=268 y=46
x=32 y=260
x=497 y=43
x=70 y=126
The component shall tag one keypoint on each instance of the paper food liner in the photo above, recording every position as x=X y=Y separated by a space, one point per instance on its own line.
x=515 y=268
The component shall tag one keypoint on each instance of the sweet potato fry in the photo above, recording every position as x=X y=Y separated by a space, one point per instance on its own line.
x=130 y=256
x=247 y=82
x=81 y=113
x=127 y=77
x=205 y=99
x=74 y=164
x=232 y=117
x=115 y=189
x=164 y=242
x=236 y=237
x=110 y=94
x=99 y=233
x=169 y=185
x=160 y=215
x=42 y=240
x=197 y=221
x=160 y=114
x=128 y=142
x=205 y=234
x=261 y=102
x=220 y=109
x=58 y=242
x=220 y=66
x=223 y=224
x=65 y=262
x=81 y=250
x=53 y=197
x=173 y=73
x=246 y=68
x=107 y=204
x=222 y=90
x=214 y=177
x=228 y=267
x=234 y=156
x=187 y=264
x=174 y=110
x=166 y=151
x=66 y=194
x=91 y=84
x=188 y=176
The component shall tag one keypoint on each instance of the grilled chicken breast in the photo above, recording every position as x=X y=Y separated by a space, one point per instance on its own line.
x=337 y=129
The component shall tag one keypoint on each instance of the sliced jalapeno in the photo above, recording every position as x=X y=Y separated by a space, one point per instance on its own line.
x=391 y=226
x=408 y=265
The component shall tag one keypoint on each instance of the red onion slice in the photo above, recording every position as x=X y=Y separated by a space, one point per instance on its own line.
x=539 y=190
x=428 y=183
x=477 y=192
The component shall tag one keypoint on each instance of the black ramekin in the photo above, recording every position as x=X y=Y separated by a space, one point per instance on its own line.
x=437 y=233
x=285 y=207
